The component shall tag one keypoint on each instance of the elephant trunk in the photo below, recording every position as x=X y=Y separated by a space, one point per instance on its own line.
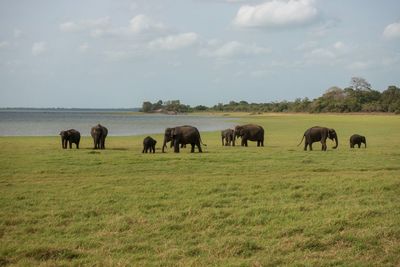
x=365 y=143
x=336 y=141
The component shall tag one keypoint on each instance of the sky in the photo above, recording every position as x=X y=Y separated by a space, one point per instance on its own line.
x=117 y=54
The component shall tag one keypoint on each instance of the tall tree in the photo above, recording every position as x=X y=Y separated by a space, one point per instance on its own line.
x=359 y=83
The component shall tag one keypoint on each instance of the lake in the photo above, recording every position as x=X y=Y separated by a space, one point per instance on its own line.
x=49 y=122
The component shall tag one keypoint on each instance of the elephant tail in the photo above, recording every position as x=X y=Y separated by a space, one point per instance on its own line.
x=301 y=140
x=201 y=141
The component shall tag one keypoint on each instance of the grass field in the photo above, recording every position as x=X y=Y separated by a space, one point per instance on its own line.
x=229 y=206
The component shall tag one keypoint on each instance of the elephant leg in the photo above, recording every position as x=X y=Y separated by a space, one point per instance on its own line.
x=77 y=145
x=176 y=146
x=222 y=139
x=245 y=143
x=310 y=145
x=154 y=149
x=305 y=145
x=70 y=145
x=262 y=142
x=192 y=149
x=359 y=145
x=323 y=146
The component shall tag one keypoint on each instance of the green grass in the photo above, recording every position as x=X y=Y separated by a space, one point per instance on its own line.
x=229 y=206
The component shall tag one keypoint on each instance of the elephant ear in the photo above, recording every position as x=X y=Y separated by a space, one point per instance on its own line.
x=331 y=133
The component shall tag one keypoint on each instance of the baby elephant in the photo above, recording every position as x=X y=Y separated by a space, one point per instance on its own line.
x=149 y=144
x=70 y=136
x=356 y=139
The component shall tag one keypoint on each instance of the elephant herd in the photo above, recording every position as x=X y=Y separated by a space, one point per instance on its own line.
x=181 y=136
x=72 y=136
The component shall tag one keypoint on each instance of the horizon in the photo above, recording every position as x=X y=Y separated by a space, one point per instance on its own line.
x=106 y=54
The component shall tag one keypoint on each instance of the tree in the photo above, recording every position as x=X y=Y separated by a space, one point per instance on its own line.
x=147 y=107
x=390 y=99
x=359 y=83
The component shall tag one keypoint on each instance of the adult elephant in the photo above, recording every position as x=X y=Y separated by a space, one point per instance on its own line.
x=99 y=134
x=357 y=139
x=228 y=136
x=250 y=132
x=70 y=136
x=182 y=135
x=319 y=134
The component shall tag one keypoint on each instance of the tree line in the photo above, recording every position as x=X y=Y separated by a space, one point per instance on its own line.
x=358 y=97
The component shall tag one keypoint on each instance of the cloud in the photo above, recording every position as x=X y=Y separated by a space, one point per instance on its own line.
x=233 y=49
x=4 y=44
x=142 y=23
x=327 y=55
x=39 y=48
x=276 y=13
x=17 y=33
x=359 y=65
x=83 y=47
x=173 y=42
x=392 y=31
x=86 y=24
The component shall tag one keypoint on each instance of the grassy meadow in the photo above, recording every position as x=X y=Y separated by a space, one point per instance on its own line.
x=229 y=206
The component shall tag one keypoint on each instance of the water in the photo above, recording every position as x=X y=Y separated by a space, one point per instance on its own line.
x=49 y=122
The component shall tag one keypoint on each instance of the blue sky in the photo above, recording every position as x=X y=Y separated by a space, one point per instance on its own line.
x=111 y=54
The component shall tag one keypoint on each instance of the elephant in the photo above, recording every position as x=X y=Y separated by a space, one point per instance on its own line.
x=357 y=139
x=182 y=135
x=70 y=136
x=149 y=144
x=229 y=136
x=316 y=134
x=99 y=134
x=250 y=132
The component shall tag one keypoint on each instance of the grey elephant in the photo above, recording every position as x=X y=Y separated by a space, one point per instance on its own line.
x=319 y=134
x=70 y=137
x=228 y=137
x=99 y=134
x=250 y=132
x=357 y=139
x=149 y=144
x=182 y=135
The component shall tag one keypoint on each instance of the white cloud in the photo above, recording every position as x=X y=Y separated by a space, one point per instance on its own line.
x=276 y=13
x=86 y=24
x=359 y=65
x=233 y=49
x=320 y=53
x=17 y=33
x=339 y=45
x=4 y=44
x=173 y=42
x=327 y=55
x=142 y=23
x=39 y=48
x=83 y=47
x=307 y=45
x=392 y=31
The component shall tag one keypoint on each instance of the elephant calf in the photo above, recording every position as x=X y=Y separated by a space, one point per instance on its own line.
x=70 y=136
x=228 y=136
x=357 y=139
x=149 y=144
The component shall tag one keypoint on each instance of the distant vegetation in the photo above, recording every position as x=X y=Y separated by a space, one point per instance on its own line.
x=358 y=97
